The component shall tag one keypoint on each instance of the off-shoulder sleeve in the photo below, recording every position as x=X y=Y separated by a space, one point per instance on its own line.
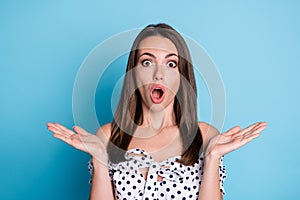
x=222 y=172
x=91 y=169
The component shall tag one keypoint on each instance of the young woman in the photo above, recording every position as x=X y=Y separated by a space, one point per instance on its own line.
x=155 y=148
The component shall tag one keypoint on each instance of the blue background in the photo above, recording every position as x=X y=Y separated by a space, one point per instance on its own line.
x=43 y=43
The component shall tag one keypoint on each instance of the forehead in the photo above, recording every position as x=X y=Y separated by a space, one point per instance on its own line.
x=158 y=44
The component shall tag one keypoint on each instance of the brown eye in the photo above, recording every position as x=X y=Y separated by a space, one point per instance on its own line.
x=146 y=63
x=172 y=64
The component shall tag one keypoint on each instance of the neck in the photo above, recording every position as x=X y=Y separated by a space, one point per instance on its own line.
x=158 y=118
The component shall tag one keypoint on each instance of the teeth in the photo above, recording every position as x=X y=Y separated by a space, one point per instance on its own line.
x=158 y=89
x=157 y=93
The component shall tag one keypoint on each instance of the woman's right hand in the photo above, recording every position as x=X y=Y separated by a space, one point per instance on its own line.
x=80 y=139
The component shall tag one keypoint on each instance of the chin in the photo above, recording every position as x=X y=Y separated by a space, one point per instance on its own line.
x=157 y=107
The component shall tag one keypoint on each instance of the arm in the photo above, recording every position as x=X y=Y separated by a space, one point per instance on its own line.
x=210 y=183
x=101 y=184
x=95 y=145
x=216 y=145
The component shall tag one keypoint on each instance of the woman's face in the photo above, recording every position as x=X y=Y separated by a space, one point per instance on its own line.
x=157 y=72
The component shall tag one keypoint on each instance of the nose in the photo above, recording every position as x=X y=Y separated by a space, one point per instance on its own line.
x=158 y=74
x=158 y=78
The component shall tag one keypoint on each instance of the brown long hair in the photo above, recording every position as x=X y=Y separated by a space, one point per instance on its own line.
x=129 y=113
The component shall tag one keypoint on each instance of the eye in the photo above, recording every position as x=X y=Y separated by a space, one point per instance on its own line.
x=146 y=63
x=172 y=64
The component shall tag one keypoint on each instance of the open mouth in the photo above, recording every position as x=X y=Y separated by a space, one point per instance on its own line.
x=157 y=93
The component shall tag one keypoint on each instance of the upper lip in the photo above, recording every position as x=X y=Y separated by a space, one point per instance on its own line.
x=157 y=86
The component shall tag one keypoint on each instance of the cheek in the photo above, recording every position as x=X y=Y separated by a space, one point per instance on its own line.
x=141 y=82
x=142 y=91
x=174 y=83
x=176 y=86
x=142 y=78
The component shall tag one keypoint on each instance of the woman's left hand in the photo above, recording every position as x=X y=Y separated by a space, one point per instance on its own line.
x=233 y=139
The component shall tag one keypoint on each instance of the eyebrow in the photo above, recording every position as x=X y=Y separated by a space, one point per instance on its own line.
x=153 y=56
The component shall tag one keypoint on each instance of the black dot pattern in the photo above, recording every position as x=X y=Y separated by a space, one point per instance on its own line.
x=178 y=181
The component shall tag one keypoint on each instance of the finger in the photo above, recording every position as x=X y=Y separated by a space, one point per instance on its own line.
x=56 y=130
x=248 y=135
x=248 y=139
x=244 y=139
x=252 y=126
x=80 y=131
x=249 y=128
x=62 y=128
x=233 y=130
x=63 y=138
x=252 y=136
x=257 y=130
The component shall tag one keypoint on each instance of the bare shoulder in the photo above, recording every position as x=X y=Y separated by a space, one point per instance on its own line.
x=104 y=130
x=208 y=131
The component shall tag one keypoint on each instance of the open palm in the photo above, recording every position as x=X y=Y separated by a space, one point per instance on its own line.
x=80 y=139
x=234 y=138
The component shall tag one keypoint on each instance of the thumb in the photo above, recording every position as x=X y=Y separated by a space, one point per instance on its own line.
x=80 y=130
x=233 y=130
